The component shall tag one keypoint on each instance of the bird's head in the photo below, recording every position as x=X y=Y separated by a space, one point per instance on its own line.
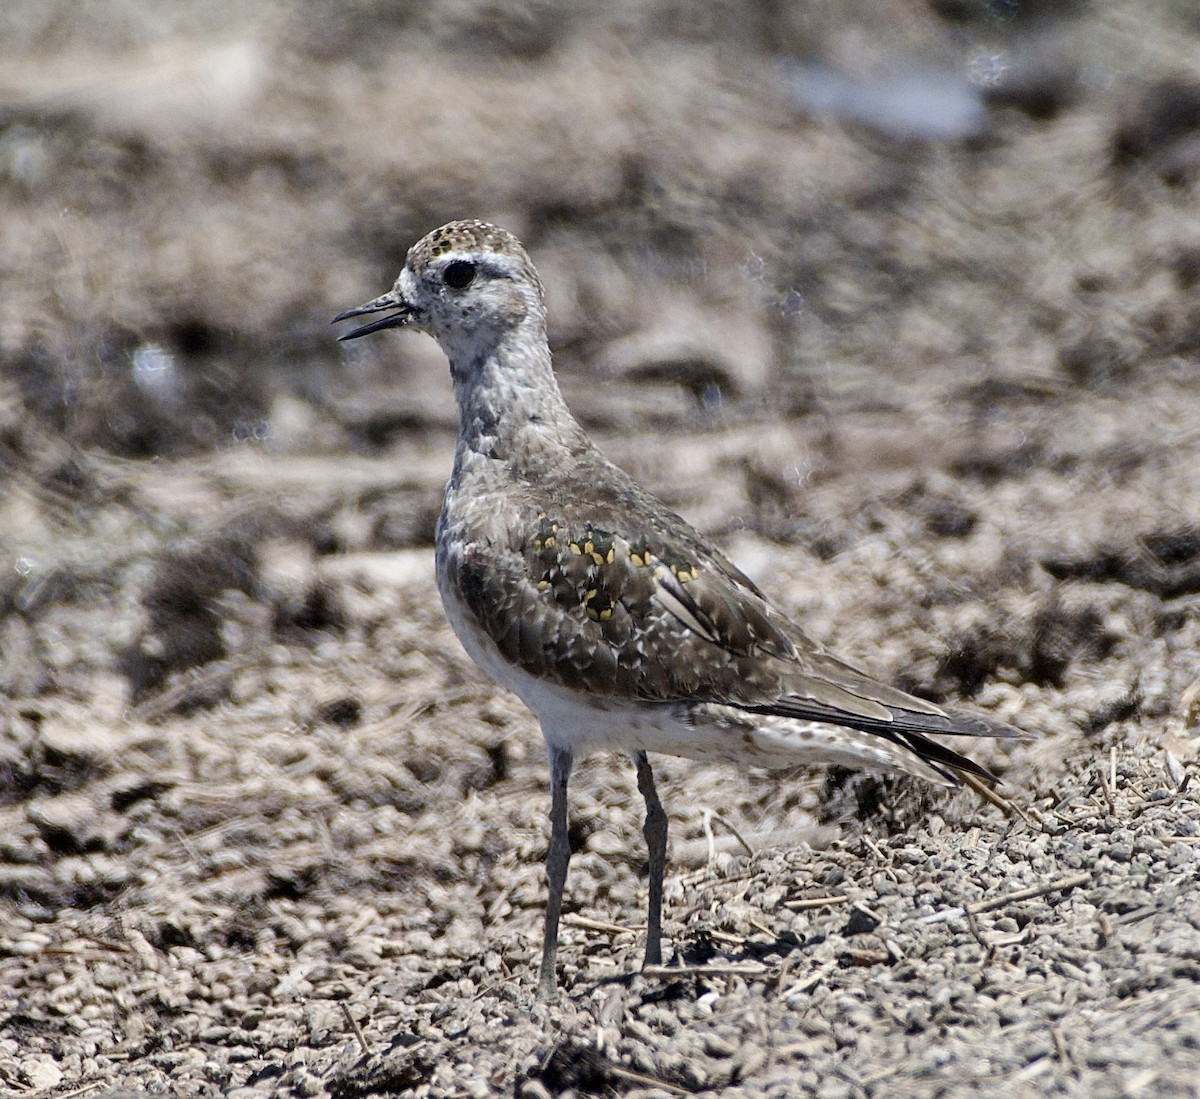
x=468 y=284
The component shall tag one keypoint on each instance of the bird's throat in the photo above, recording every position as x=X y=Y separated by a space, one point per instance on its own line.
x=517 y=416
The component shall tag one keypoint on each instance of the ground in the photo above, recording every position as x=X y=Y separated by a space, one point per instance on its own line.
x=897 y=301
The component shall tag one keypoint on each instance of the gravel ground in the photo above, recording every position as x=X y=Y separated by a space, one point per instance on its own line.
x=929 y=374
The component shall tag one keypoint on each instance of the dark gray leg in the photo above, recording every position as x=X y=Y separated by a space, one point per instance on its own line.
x=557 y=859
x=655 y=831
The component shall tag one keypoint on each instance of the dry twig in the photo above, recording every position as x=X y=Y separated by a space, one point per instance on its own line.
x=573 y=919
x=803 y=903
x=673 y=972
x=975 y=907
x=352 y=1022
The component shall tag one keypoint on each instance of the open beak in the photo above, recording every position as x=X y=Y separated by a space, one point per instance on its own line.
x=391 y=300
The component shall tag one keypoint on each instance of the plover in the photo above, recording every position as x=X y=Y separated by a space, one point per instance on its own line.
x=616 y=623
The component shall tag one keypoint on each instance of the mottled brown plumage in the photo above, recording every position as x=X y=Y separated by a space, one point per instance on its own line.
x=613 y=619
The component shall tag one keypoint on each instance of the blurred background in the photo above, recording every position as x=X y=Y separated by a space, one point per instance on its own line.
x=979 y=213
x=734 y=198
x=895 y=298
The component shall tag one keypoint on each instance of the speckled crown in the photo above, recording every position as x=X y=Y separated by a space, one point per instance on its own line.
x=471 y=236
x=464 y=236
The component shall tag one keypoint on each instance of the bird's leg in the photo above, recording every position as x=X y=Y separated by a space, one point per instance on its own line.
x=655 y=831
x=557 y=859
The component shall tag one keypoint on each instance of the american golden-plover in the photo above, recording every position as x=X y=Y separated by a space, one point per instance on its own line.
x=613 y=620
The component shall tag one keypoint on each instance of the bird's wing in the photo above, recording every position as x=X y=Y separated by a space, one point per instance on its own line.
x=622 y=599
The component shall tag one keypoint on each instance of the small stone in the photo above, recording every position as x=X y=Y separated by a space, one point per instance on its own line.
x=861 y=921
x=69 y=823
x=41 y=1073
x=533 y=1089
x=715 y=1045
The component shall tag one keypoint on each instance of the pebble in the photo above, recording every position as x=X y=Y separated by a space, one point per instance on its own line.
x=40 y=1073
x=444 y=996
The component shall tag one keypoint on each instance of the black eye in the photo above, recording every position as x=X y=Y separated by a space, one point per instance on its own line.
x=459 y=274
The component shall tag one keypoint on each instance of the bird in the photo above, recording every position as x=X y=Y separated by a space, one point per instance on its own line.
x=618 y=624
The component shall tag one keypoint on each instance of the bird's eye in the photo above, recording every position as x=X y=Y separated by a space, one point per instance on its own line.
x=459 y=274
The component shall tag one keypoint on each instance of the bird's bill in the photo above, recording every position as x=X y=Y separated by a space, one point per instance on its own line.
x=391 y=300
